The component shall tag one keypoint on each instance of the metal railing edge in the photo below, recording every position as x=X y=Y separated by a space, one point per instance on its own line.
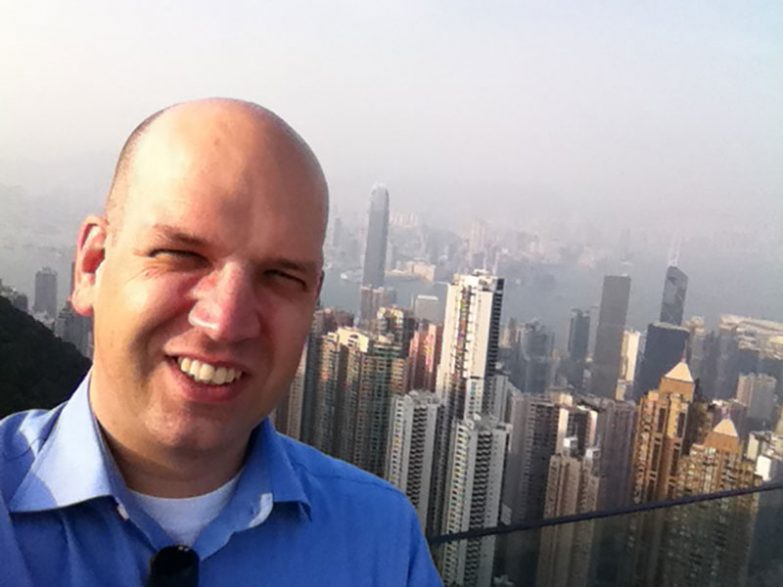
x=636 y=508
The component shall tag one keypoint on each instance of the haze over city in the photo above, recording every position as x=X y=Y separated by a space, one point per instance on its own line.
x=531 y=108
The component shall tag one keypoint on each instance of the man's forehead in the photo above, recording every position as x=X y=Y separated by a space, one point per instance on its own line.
x=229 y=156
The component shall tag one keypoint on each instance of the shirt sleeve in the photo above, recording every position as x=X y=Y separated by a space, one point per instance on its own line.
x=421 y=569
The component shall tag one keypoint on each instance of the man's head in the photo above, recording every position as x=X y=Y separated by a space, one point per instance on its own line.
x=206 y=268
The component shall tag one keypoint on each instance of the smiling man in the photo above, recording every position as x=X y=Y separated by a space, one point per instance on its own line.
x=201 y=279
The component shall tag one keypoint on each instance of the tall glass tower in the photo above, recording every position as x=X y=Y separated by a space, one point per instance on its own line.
x=674 y=290
x=609 y=338
x=377 y=235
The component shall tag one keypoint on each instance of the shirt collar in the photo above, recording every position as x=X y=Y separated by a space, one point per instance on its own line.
x=71 y=466
x=267 y=449
x=74 y=465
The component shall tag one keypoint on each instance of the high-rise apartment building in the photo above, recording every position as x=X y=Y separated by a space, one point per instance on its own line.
x=710 y=543
x=743 y=345
x=377 y=238
x=578 y=346
x=698 y=345
x=424 y=355
x=757 y=392
x=717 y=464
x=609 y=338
x=572 y=488
x=362 y=408
x=629 y=354
x=410 y=461
x=398 y=324
x=530 y=361
x=372 y=299
x=468 y=363
x=573 y=480
x=474 y=484
x=661 y=435
x=470 y=342
x=327 y=395
x=46 y=292
x=675 y=287
x=287 y=416
x=540 y=426
x=74 y=328
x=308 y=412
x=665 y=347
x=615 y=429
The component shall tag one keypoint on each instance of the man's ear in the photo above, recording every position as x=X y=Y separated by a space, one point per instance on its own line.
x=90 y=253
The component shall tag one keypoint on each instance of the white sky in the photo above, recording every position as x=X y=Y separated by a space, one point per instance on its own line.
x=517 y=108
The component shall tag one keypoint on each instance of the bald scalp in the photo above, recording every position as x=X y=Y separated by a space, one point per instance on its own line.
x=126 y=167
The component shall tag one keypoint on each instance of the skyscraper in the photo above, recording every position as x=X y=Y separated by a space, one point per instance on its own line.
x=757 y=392
x=397 y=323
x=540 y=426
x=326 y=397
x=413 y=426
x=310 y=382
x=661 y=436
x=614 y=439
x=372 y=299
x=698 y=345
x=473 y=498
x=674 y=289
x=572 y=488
x=573 y=480
x=578 y=345
x=73 y=328
x=424 y=355
x=715 y=465
x=46 y=292
x=363 y=401
x=628 y=356
x=470 y=342
x=377 y=237
x=468 y=363
x=609 y=338
x=665 y=347
x=531 y=358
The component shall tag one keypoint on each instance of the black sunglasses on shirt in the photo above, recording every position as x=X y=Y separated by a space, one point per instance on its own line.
x=174 y=566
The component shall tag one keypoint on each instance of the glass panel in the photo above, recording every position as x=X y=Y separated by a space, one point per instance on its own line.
x=732 y=541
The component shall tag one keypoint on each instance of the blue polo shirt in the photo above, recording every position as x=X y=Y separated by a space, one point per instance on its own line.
x=297 y=517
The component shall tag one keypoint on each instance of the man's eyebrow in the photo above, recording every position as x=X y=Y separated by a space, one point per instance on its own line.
x=178 y=236
x=300 y=266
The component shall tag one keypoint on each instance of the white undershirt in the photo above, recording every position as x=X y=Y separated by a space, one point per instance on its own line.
x=183 y=519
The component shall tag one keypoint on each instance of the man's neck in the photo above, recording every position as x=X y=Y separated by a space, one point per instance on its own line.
x=177 y=474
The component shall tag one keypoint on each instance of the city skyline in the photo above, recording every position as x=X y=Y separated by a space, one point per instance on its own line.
x=553 y=260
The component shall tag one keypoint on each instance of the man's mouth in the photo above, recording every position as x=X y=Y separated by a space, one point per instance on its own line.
x=206 y=373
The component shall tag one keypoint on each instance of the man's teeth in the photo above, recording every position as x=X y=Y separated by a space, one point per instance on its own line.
x=206 y=373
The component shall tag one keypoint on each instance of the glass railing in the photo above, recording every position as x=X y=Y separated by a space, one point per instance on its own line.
x=727 y=539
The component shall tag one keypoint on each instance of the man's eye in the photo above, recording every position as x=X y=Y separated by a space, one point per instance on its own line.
x=287 y=278
x=176 y=255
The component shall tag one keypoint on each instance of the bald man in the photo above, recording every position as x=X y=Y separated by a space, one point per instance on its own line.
x=201 y=279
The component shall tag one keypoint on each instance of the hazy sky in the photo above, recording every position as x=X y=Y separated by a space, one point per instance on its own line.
x=535 y=107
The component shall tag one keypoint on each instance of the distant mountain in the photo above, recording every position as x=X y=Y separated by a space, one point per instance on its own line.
x=37 y=369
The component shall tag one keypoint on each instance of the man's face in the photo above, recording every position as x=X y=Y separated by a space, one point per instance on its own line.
x=206 y=291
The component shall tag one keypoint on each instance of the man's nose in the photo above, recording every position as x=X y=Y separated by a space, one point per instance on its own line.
x=226 y=308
